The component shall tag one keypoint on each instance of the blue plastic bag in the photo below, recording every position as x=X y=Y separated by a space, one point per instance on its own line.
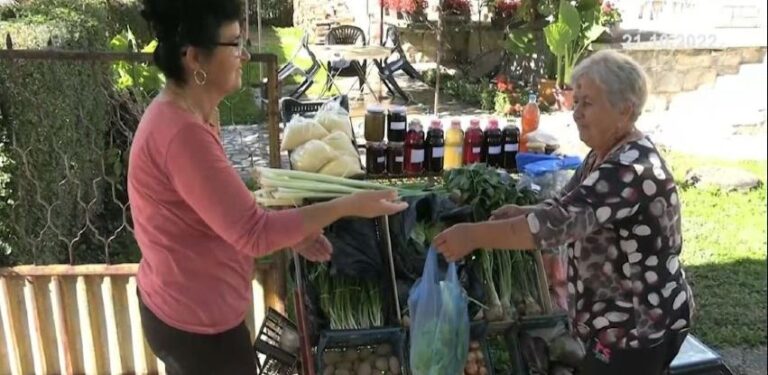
x=439 y=321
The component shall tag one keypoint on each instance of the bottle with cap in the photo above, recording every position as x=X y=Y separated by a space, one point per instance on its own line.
x=435 y=147
x=454 y=139
x=395 y=158
x=414 y=149
x=530 y=120
x=375 y=158
x=492 y=143
x=511 y=135
x=473 y=143
x=396 y=124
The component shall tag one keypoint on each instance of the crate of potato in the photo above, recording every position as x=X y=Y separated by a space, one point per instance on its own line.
x=479 y=358
x=379 y=351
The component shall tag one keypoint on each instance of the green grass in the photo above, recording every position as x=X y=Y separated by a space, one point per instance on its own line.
x=240 y=107
x=724 y=254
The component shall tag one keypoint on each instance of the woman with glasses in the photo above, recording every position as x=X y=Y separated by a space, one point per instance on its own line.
x=197 y=225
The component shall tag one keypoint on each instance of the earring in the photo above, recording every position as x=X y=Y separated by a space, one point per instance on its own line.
x=200 y=76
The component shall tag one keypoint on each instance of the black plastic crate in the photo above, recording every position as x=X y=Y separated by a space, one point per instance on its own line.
x=338 y=341
x=275 y=353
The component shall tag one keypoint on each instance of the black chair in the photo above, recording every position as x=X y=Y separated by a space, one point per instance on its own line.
x=390 y=66
x=346 y=35
x=401 y=61
x=291 y=69
x=290 y=107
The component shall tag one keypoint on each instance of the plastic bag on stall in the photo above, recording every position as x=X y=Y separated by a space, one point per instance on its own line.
x=548 y=176
x=312 y=156
x=333 y=117
x=299 y=131
x=439 y=321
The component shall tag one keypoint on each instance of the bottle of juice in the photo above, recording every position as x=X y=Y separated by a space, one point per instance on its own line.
x=531 y=116
x=454 y=140
x=414 y=149
x=511 y=145
x=493 y=144
x=435 y=147
x=473 y=143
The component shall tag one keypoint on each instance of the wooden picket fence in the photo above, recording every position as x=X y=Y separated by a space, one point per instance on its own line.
x=85 y=319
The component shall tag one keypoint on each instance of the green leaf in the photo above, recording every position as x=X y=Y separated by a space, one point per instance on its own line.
x=119 y=44
x=593 y=33
x=149 y=48
x=521 y=42
x=558 y=36
x=569 y=16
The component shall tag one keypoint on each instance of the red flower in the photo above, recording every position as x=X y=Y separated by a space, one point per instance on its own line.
x=607 y=7
x=457 y=7
x=506 y=8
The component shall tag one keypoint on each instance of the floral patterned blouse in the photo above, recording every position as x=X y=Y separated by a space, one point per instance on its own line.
x=621 y=223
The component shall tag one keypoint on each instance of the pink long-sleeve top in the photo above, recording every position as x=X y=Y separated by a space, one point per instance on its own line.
x=196 y=223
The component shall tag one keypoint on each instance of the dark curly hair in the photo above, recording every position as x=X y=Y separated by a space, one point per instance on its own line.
x=180 y=23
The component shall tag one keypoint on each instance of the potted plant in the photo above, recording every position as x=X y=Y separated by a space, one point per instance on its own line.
x=610 y=17
x=568 y=38
x=455 y=11
x=409 y=9
x=503 y=12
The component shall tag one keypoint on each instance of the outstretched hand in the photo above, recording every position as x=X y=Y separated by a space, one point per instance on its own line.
x=315 y=248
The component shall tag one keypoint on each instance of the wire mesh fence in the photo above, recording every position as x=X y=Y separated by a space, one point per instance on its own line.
x=67 y=120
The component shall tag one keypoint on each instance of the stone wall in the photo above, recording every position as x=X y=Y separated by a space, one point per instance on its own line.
x=672 y=72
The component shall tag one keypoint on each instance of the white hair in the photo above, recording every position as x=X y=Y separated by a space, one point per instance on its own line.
x=622 y=78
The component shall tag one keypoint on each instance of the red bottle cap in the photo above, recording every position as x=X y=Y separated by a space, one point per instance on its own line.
x=475 y=123
x=436 y=124
x=493 y=123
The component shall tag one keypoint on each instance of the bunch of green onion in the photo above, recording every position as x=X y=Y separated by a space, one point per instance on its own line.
x=282 y=187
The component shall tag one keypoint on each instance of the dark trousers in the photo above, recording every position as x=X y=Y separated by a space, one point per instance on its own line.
x=642 y=361
x=186 y=353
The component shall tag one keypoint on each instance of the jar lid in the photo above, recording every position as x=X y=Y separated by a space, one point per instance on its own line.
x=493 y=123
x=399 y=109
x=415 y=124
x=375 y=108
x=456 y=123
x=475 y=123
x=436 y=124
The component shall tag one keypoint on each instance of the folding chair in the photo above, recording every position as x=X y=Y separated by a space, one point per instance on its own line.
x=346 y=35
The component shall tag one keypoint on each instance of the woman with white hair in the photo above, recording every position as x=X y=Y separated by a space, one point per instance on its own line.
x=620 y=219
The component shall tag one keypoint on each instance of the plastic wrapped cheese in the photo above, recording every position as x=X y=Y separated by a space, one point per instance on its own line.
x=299 y=131
x=312 y=156
x=333 y=117
x=343 y=166
x=341 y=144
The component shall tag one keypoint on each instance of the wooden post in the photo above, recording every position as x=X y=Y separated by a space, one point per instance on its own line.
x=11 y=341
x=273 y=117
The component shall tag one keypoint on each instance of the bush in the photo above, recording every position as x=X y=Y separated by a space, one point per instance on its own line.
x=64 y=137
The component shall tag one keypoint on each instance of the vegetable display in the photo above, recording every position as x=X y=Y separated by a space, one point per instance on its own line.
x=379 y=360
x=348 y=303
x=509 y=276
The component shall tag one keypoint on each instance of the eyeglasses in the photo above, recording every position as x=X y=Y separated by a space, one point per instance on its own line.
x=238 y=46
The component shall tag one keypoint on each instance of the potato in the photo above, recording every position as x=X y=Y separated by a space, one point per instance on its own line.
x=382 y=363
x=365 y=353
x=471 y=368
x=394 y=365
x=329 y=370
x=350 y=355
x=331 y=358
x=384 y=350
x=364 y=368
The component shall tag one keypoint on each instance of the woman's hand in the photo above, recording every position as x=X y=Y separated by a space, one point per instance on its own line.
x=455 y=242
x=370 y=204
x=315 y=248
x=508 y=211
